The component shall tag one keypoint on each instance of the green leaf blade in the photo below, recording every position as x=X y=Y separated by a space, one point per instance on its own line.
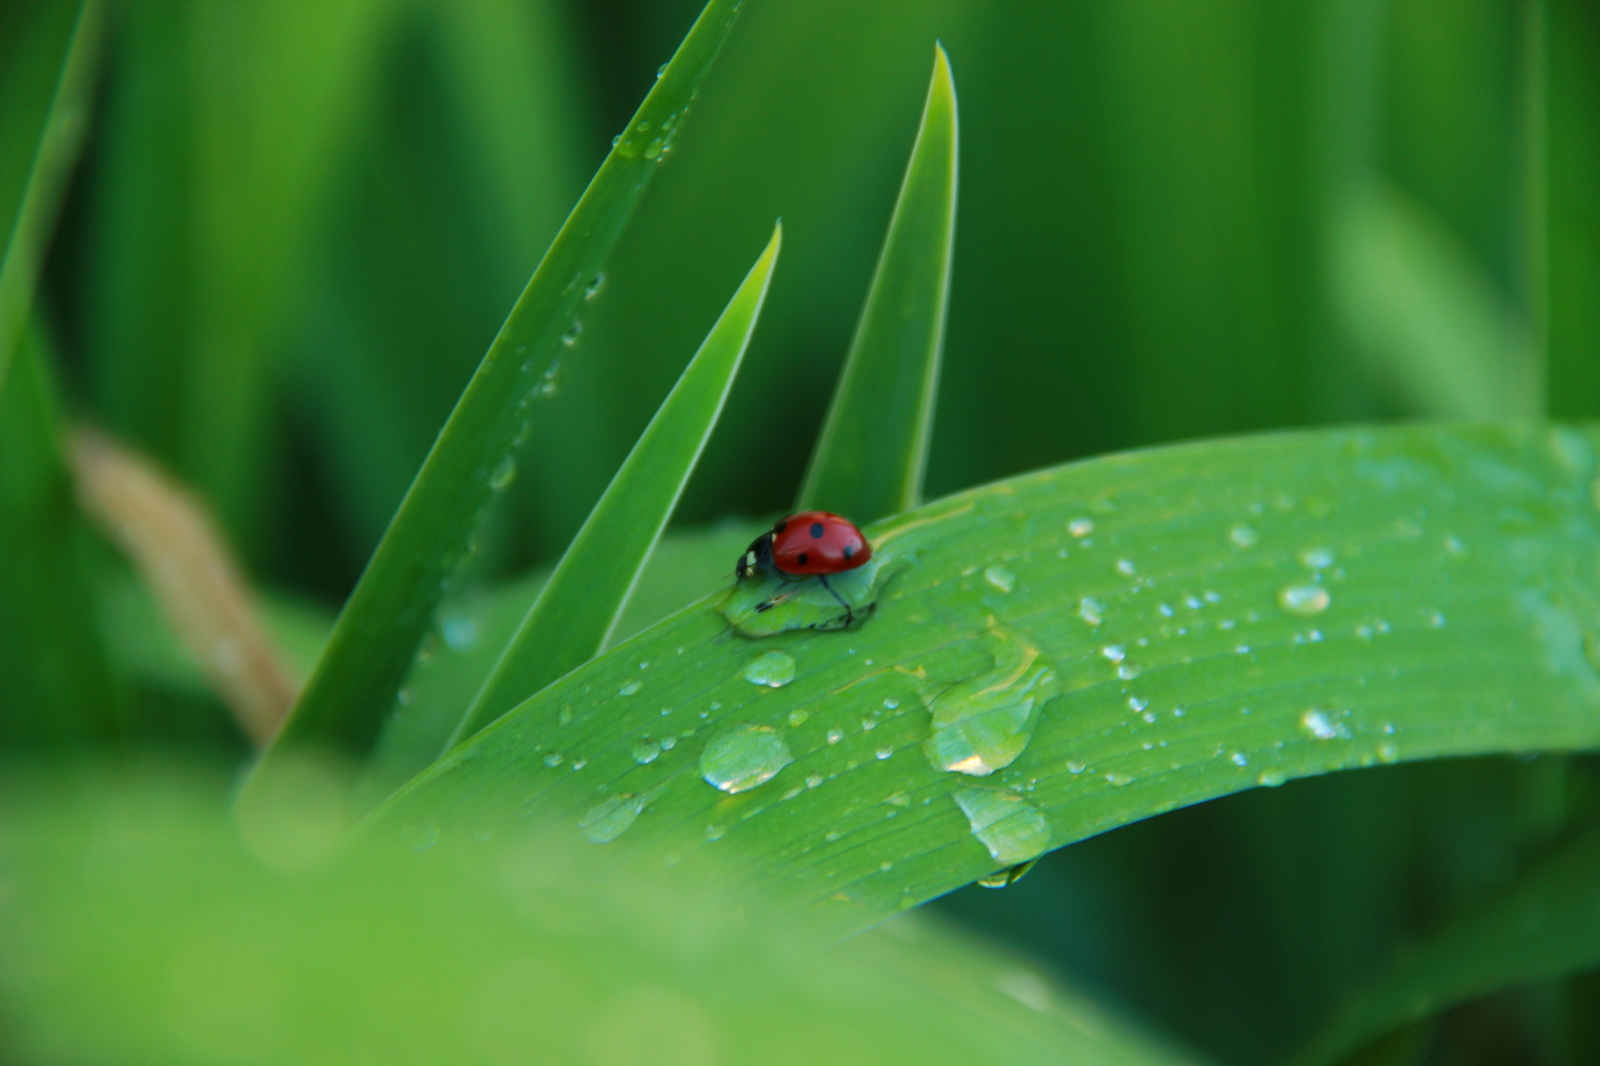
x=870 y=458
x=577 y=610
x=1218 y=616
x=354 y=685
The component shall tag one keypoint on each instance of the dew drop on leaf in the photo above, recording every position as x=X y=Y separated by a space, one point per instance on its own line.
x=774 y=669
x=743 y=757
x=608 y=820
x=1011 y=828
x=1304 y=599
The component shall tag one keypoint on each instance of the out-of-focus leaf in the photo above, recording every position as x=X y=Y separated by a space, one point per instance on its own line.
x=870 y=458
x=1113 y=639
x=286 y=948
x=386 y=617
x=1546 y=924
x=580 y=605
x=54 y=685
x=48 y=50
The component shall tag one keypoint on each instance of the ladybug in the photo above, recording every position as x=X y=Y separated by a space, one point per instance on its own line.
x=808 y=544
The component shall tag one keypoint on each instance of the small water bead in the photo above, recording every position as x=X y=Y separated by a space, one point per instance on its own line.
x=1150 y=717
x=1115 y=652
x=607 y=821
x=1118 y=780
x=883 y=753
x=668 y=742
x=1128 y=671
x=1272 y=778
x=553 y=759
x=460 y=632
x=1125 y=567
x=1138 y=703
x=596 y=286
x=574 y=331
x=716 y=832
x=1304 y=599
x=743 y=757
x=1435 y=619
x=645 y=750
x=1239 y=758
x=814 y=780
x=630 y=688
x=503 y=475
x=835 y=735
x=1244 y=536
x=1000 y=578
x=1011 y=828
x=798 y=718
x=891 y=704
x=1091 y=610
x=773 y=669
x=868 y=724
x=1318 y=724
x=1317 y=558
x=1076 y=767
x=1388 y=752
x=1080 y=527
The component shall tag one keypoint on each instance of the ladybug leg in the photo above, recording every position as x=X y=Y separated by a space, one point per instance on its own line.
x=849 y=613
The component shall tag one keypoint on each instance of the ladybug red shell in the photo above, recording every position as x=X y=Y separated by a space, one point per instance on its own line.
x=810 y=543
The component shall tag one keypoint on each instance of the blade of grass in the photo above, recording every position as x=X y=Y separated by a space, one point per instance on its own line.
x=1544 y=925
x=56 y=686
x=1219 y=616
x=48 y=50
x=577 y=610
x=378 y=631
x=873 y=449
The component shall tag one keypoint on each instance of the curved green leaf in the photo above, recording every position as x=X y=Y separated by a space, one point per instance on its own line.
x=874 y=444
x=580 y=605
x=1545 y=925
x=1216 y=617
x=378 y=632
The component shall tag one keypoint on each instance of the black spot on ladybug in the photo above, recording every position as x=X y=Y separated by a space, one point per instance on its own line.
x=802 y=559
x=779 y=527
x=816 y=531
x=849 y=551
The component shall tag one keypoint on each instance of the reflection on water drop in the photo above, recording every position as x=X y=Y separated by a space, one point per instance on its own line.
x=983 y=723
x=743 y=757
x=1240 y=758
x=835 y=735
x=1243 y=536
x=1319 y=725
x=774 y=669
x=1115 y=652
x=504 y=474
x=1011 y=828
x=1080 y=527
x=1304 y=599
x=607 y=821
x=1000 y=578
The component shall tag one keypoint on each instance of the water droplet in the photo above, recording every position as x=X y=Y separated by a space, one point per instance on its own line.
x=421 y=837
x=607 y=821
x=983 y=723
x=835 y=735
x=553 y=759
x=550 y=380
x=1388 y=752
x=574 y=331
x=1319 y=725
x=1000 y=578
x=1244 y=536
x=644 y=750
x=884 y=753
x=460 y=632
x=1272 y=778
x=1090 y=610
x=596 y=286
x=1115 y=652
x=630 y=688
x=1080 y=527
x=1436 y=619
x=891 y=704
x=1137 y=703
x=1128 y=671
x=1304 y=599
x=1118 y=780
x=616 y=140
x=743 y=757
x=1317 y=558
x=813 y=781
x=1009 y=826
x=504 y=474
x=1125 y=567
x=1240 y=758
x=868 y=724
x=774 y=669
x=1076 y=767
x=668 y=742
x=798 y=718
x=716 y=832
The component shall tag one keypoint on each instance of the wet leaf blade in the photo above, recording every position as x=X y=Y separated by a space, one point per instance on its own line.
x=1544 y=925
x=48 y=50
x=870 y=457
x=1219 y=616
x=354 y=684
x=576 y=611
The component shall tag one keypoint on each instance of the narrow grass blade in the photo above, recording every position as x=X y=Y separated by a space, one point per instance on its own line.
x=1545 y=925
x=1214 y=617
x=47 y=65
x=524 y=948
x=55 y=687
x=874 y=444
x=577 y=610
x=377 y=634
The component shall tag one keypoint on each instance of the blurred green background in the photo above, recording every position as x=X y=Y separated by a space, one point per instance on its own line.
x=297 y=225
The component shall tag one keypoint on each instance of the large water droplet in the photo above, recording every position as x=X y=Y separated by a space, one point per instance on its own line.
x=504 y=474
x=1000 y=578
x=1009 y=826
x=607 y=821
x=1304 y=599
x=744 y=757
x=983 y=723
x=773 y=669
